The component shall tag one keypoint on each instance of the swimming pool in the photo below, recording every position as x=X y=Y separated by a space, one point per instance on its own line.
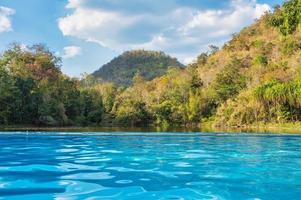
x=142 y=166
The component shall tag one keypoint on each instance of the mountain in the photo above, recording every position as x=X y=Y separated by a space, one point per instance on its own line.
x=255 y=78
x=150 y=64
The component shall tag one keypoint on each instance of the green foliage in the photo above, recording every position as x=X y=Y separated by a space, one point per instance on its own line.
x=290 y=45
x=270 y=102
x=287 y=18
x=109 y=92
x=258 y=44
x=242 y=110
x=163 y=112
x=7 y=96
x=202 y=59
x=261 y=60
x=229 y=82
x=138 y=78
x=254 y=78
x=34 y=91
x=91 y=107
x=150 y=64
x=280 y=93
x=193 y=107
x=131 y=112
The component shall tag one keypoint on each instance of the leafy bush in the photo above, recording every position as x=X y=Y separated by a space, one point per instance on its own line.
x=261 y=60
x=132 y=113
x=290 y=46
x=287 y=18
x=229 y=82
x=258 y=43
x=281 y=100
x=239 y=111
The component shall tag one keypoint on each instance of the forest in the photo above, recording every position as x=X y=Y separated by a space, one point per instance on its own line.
x=253 y=78
x=122 y=69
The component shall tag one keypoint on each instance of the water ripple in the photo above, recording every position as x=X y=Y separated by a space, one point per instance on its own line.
x=107 y=166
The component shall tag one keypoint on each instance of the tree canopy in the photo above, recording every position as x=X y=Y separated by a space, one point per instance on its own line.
x=150 y=64
x=255 y=77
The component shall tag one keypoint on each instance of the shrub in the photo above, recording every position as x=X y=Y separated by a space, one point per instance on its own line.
x=287 y=18
x=229 y=82
x=240 y=111
x=261 y=60
x=290 y=46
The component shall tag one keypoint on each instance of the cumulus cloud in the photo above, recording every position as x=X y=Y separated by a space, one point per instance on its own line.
x=180 y=30
x=223 y=22
x=5 y=22
x=71 y=51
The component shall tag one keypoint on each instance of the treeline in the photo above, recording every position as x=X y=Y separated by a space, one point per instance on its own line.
x=33 y=90
x=254 y=78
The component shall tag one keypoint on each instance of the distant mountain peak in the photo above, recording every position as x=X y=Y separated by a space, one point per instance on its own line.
x=150 y=64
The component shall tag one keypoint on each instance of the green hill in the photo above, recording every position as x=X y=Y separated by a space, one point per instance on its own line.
x=254 y=78
x=122 y=69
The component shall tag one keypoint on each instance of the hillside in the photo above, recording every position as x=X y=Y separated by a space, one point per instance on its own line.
x=267 y=56
x=149 y=64
x=254 y=78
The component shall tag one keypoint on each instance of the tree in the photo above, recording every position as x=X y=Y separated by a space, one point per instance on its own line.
x=213 y=49
x=229 y=82
x=287 y=18
x=8 y=92
x=138 y=78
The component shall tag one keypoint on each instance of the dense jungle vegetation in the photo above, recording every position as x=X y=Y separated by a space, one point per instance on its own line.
x=255 y=77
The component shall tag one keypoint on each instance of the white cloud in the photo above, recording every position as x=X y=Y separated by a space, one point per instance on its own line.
x=183 y=31
x=93 y=25
x=5 y=22
x=71 y=51
x=223 y=22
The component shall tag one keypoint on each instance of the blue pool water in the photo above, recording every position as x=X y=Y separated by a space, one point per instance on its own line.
x=202 y=166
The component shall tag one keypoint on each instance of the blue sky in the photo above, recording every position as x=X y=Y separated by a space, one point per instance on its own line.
x=89 y=33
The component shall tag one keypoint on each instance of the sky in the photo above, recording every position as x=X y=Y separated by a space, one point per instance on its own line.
x=88 y=33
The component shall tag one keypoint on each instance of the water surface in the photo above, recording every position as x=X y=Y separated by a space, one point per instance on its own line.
x=141 y=166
